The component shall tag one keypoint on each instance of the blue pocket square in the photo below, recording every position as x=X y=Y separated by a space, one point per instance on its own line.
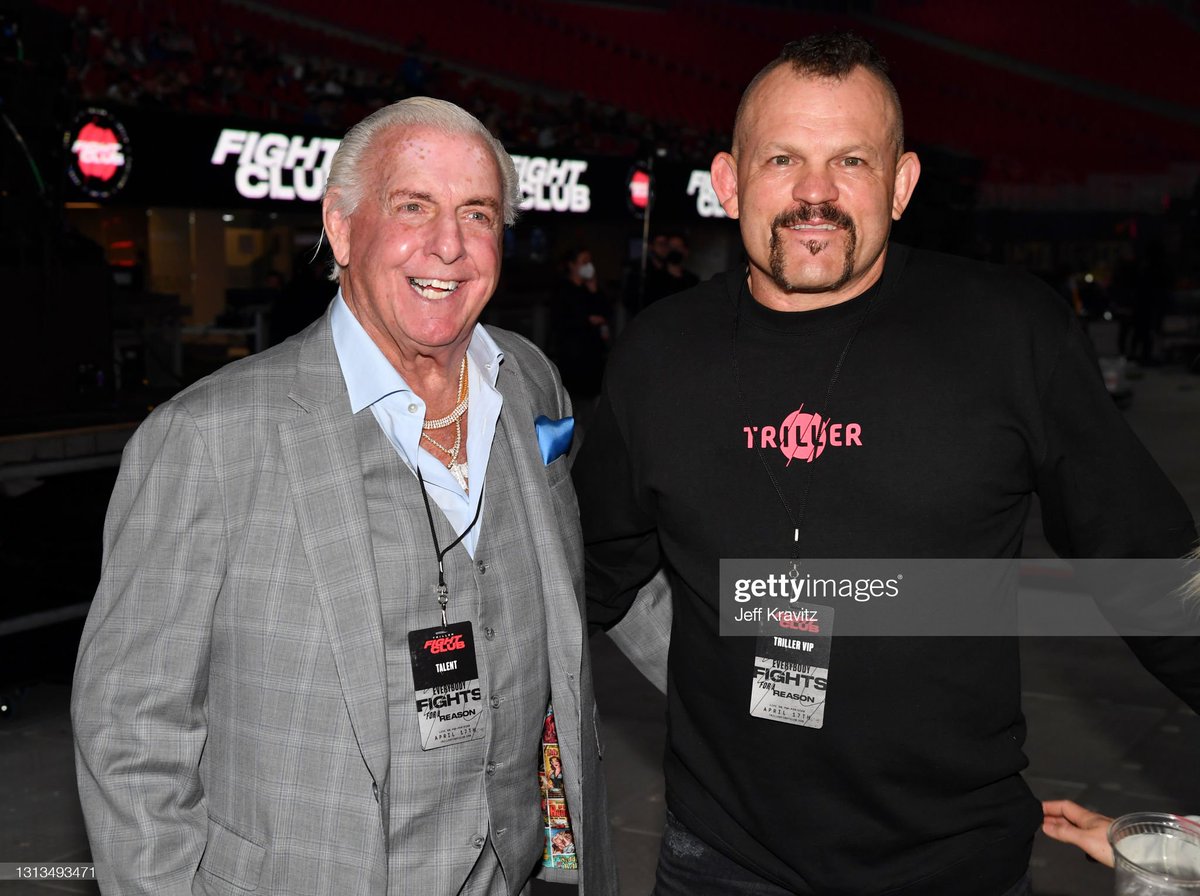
x=554 y=436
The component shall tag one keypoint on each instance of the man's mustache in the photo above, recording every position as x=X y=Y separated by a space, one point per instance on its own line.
x=826 y=211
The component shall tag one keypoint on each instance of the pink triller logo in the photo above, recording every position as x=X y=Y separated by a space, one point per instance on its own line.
x=804 y=436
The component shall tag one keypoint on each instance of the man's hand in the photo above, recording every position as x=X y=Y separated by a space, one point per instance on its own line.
x=1069 y=822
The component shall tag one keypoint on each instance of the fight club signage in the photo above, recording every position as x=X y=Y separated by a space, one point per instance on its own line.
x=216 y=162
x=100 y=156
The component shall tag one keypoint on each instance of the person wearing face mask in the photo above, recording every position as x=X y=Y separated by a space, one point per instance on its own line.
x=666 y=273
x=678 y=276
x=580 y=314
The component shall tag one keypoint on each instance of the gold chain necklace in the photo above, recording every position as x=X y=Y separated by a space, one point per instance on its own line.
x=459 y=409
x=452 y=452
x=457 y=470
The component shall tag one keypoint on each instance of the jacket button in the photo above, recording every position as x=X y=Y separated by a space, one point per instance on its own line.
x=495 y=703
x=481 y=566
x=491 y=768
x=489 y=633
x=478 y=842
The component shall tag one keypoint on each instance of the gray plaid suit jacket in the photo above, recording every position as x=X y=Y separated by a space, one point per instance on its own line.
x=230 y=704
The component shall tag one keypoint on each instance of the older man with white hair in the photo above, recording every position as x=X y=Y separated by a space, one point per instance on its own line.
x=342 y=580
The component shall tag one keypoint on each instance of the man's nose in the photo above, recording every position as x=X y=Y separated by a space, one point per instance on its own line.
x=445 y=238
x=814 y=184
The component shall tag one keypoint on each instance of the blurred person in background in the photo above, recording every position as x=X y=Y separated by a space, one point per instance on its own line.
x=641 y=280
x=581 y=318
x=678 y=277
x=305 y=297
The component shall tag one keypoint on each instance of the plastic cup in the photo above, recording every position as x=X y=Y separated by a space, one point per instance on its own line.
x=1156 y=854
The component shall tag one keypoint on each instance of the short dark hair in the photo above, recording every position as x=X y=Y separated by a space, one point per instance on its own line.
x=571 y=255
x=835 y=54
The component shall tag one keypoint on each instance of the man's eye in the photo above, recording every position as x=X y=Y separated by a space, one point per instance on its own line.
x=852 y=162
x=412 y=206
x=780 y=161
x=482 y=217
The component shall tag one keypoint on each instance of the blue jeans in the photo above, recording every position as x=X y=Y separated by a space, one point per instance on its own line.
x=687 y=866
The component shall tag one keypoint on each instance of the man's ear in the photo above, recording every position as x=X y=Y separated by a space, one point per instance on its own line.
x=724 y=181
x=908 y=172
x=337 y=228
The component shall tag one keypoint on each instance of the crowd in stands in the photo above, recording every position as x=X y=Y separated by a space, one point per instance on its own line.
x=256 y=67
x=625 y=81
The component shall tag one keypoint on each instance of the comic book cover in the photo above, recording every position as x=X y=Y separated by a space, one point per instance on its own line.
x=559 y=850
x=562 y=849
x=552 y=764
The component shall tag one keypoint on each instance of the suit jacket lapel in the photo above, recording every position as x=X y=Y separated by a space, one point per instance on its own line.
x=562 y=610
x=323 y=465
x=564 y=621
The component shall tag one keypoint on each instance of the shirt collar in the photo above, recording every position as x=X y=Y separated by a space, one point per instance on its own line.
x=370 y=376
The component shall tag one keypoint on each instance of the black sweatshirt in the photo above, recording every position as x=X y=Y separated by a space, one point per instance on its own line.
x=962 y=389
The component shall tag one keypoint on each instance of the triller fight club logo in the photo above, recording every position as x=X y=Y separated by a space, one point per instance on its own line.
x=100 y=157
x=804 y=436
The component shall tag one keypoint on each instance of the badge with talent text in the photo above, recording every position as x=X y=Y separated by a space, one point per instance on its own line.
x=449 y=700
x=791 y=666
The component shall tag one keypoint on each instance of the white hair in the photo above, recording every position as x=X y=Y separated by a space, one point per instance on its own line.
x=345 y=185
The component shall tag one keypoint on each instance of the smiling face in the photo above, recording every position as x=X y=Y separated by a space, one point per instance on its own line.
x=421 y=252
x=816 y=183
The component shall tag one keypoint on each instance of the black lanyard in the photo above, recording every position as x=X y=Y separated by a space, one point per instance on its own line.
x=797 y=520
x=443 y=593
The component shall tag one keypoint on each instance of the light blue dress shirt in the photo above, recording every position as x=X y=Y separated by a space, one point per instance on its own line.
x=374 y=383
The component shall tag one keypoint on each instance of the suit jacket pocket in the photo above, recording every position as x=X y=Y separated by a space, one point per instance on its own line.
x=558 y=470
x=232 y=858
